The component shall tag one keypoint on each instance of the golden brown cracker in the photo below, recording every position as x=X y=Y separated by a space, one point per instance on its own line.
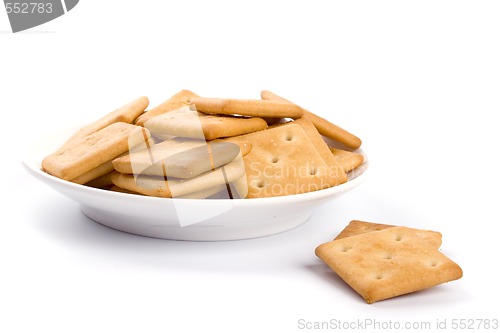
x=388 y=263
x=95 y=149
x=246 y=107
x=324 y=127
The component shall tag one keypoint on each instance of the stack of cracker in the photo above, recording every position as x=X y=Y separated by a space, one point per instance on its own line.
x=381 y=261
x=198 y=147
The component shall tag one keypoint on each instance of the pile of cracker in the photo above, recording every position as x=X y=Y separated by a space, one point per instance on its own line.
x=381 y=261
x=198 y=147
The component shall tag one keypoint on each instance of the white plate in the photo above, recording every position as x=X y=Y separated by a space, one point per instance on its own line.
x=186 y=219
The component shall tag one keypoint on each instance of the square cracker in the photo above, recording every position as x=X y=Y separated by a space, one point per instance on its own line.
x=284 y=161
x=186 y=123
x=388 y=263
x=356 y=227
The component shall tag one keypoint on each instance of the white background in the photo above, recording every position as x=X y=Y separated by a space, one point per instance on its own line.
x=418 y=81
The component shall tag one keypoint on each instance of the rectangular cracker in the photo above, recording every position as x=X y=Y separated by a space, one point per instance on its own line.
x=125 y=114
x=186 y=123
x=324 y=127
x=388 y=263
x=284 y=161
x=106 y=167
x=94 y=150
x=246 y=107
x=357 y=227
x=182 y=98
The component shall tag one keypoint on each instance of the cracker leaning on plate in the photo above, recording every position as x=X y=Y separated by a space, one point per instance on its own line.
x=199 y=147
x=382 y=261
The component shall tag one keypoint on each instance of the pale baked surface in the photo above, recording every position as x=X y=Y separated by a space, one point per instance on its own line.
x=356 y=227
x=323 y=126
x=284 y=161
x=179 y=158
x=347 y=160
x=388 y=263
x=95 y=149
x=125 y=114
x=179 y=100
x=247 y=107
x=186 y=123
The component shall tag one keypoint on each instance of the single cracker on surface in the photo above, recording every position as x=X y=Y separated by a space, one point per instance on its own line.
x=388 y=263
x=176 y=187
x=246 y=107
x=186 y=123
x=181 y=158
x=95 y=149
x=177 y=101
x=346 y=159
x=356 y=227
x=124 y=114
x=324 y=127
x=284 y=161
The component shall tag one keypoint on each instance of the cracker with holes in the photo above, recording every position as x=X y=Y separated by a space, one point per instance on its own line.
x=322 y=148
x=388 y=263
x=186 y=123
x=284 y=161
x=356 y=227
